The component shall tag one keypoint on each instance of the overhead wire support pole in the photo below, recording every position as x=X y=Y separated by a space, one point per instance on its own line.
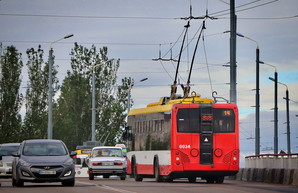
x=174 y=86
x=50 y=87
x=233 y=68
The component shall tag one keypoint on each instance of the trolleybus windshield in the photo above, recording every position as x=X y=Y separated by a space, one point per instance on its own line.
x=189 y=119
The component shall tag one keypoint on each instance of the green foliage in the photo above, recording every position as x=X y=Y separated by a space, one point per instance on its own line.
x=10 y=98
x=73 y=111
x=35 y=121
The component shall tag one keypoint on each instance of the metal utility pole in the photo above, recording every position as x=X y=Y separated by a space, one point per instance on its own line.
x=288 y=121
x=50 y=89
x=275 y=79
x=50 y=93
x=233 y=65
x=93 y=116
x=257 y=129
x=288 y=118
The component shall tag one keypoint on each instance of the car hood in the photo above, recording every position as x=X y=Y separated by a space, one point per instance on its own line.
x=52 y=160
x=7 y=158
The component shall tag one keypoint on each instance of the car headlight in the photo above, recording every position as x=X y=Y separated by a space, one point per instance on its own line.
x=68 y=162
x=24 y=163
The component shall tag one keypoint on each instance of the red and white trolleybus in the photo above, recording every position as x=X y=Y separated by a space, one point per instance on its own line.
x=184 y=138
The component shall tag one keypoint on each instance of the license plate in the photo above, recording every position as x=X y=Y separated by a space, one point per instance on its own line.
x=108 y=163
x=47 y=172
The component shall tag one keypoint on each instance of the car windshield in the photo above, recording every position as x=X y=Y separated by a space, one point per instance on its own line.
x=107 y=152
x=7 y=150
x=44 y=149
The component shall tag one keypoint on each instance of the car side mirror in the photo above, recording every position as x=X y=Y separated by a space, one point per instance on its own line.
x=0 y=157
x=72 y=154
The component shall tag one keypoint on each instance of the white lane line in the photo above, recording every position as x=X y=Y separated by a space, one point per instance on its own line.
x=106 y=187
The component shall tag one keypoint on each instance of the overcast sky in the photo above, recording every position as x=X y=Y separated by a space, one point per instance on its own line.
x=135 y=31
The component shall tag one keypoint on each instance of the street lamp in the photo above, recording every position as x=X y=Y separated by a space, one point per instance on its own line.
x=275 y=80
x=93 y=118
x=288 y=117
x=129 y=91
x=128 y=103
x=257 y=112
x=50 y=89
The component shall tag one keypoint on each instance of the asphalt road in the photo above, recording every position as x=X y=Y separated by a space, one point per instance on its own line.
x=115 y=185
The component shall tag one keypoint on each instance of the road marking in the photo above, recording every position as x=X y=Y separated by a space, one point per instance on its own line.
x=107 y=187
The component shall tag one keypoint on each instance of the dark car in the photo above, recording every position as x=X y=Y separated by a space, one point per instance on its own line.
x=43 y=160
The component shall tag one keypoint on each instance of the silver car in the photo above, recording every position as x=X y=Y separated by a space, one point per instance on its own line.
x=5 y=152
x=107 y=161
x=43 y=161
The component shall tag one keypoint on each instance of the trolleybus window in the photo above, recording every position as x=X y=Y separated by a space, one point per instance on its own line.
x=188 y=120
x=224 y=121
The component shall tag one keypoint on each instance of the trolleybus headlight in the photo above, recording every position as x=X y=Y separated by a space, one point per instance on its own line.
x=218 y=152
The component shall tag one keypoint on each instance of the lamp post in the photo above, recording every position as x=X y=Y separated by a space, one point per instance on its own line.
x=275 y=80
x=128 y=102
x=50 y=89
x=257 y=97
x=93 y=108
x=288 y=117
x=129 y=91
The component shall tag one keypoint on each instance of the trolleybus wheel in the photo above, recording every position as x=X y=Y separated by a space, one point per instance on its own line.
x=210 y=180
x=192 y=179
x=158 y=177
x=220 y=179
x=137 y=177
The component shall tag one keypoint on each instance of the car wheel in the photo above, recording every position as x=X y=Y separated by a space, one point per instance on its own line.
x=68 y=183
x=14 y=182
x=19 y=183
x=123 y=177
x=91 y=176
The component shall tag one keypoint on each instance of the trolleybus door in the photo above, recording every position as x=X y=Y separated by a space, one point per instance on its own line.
x=206 y=139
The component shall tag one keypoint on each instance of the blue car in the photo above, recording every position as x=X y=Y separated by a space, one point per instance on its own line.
x=43 y=161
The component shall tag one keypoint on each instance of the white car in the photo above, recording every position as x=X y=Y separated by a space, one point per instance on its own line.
x=5 y=152
x=107 y=161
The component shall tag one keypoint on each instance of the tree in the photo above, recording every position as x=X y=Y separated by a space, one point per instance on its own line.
x=73 y=112
x=35 y=121
x=10 y=97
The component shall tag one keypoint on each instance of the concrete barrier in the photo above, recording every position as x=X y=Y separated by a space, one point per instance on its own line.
x=295 y=178
x=260 y=175
x=288 y=176
x=277 y=176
